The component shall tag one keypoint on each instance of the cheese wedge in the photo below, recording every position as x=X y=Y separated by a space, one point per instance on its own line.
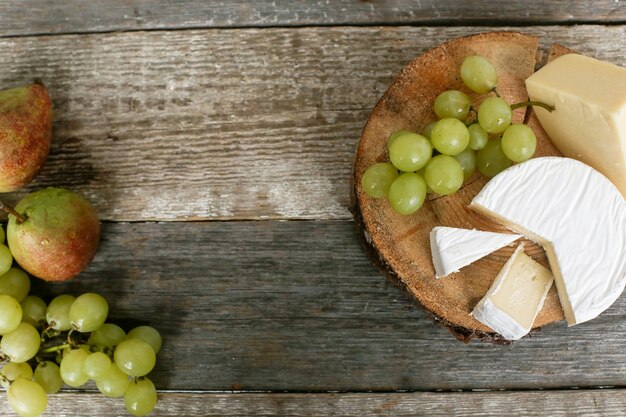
x=589 y=120
x=579 y=218
x=515 y=297
x=453 y=248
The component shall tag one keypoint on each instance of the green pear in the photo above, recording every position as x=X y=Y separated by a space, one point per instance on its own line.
x=25 y=134
x=53 y=233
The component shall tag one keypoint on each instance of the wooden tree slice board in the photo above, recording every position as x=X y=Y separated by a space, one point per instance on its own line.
x=398 y=244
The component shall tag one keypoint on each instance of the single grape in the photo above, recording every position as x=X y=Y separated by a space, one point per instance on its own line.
x=452 y=103
x=10 y=314
x=96 y=365
x=444 y=174
x=148 y=334
x=410 y=151
x=58 y=311
x=467 y=159
x=72 y=367
x=15 y=283
x=135 y=357
x=2 y=235
x=48 y=375
x=478 y=137
x=378 y=178
x=428 y=129
x=450 y=136
x=407 y=193
x=14 y=370
x=478 y=74
x=140 y=397
x=395 y=135
x=113 y=383
x=27 y=398
x=491 y=160
x=494 y=115
x=88 y=312
x=519 y=143
x=107 y=335
x=22 y=344
x=33 y=310
x=6 y=259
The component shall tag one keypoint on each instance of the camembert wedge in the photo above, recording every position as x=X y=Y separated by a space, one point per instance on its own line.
x=454 y=248
x=515 y=297
x=577 y=215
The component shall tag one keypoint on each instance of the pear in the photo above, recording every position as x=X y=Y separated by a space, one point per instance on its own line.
x=25 y=134
x=53 y=233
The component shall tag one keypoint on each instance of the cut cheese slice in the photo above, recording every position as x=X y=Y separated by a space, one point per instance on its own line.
x=515 y=297
x=589 y=120
x=577 y=215
x=453 y=248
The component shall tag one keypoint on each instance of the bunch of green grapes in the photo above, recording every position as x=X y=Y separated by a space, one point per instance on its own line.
x=67 y=341
x=447 y=151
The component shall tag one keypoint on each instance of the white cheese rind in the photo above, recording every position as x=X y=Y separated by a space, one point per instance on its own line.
x=578 y=216
x=453 y=248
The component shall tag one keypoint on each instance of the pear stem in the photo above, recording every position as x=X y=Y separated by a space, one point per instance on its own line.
x=10 y=210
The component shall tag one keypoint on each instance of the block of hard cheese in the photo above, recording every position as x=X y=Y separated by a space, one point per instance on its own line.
x=589 y=120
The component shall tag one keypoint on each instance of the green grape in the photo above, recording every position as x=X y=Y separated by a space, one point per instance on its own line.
x=107 y=335
x=72 y=367
x=478 y=74
x=148 y=334
x=14 y=370
x=22 y=344
x=467 y=159
x=444 y=174
x=452 y=103
x=378 y=178
x=10 y=314
x=140 y=397
x=2 y=235
x=27 y=398
x=407 y=193
x=88 y=312
x=96 y=365
x=33 y=310
x=478 y=137
x=519 y=143
x=134 y=357
x=491 y=160
x=428 y=130
x=494 y=115
x=113 y=383
x=6 y=259
x=15 y=283
x=450 y=136
x=48 y=375
x=410 y=151
x=395 y=136
x=58 y=311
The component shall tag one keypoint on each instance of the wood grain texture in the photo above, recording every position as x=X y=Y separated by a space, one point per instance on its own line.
x=222 y=124
x=296 y=306
x=72 y=16
x=585 y=403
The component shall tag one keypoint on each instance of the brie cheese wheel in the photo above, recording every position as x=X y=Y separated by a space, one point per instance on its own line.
x=589 y=120
x=577 y=215
x=453 y=248
x=515 y=297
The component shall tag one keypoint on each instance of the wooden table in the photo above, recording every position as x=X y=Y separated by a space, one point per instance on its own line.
x=216 y=141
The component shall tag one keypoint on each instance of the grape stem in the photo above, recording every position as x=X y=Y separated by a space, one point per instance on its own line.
x=532 y=103
x=56 y=348
x=10 y=210
x=495 y=91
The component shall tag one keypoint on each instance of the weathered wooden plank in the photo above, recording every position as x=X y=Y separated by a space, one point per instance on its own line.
x=223 y=124
x=605 y=403
x=297 y=306
x=72 y=16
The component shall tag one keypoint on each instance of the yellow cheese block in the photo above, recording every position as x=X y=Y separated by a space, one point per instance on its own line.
x=589 y=120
